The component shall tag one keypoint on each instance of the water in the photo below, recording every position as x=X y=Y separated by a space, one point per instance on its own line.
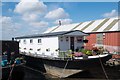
x=30 y=74
x=33 y=75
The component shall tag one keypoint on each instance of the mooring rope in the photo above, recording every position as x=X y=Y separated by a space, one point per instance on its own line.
x=103 y=69
x=9 y=78
x=11 y=70
x=64 y=68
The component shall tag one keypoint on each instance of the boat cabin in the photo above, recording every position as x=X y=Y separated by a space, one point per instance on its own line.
x=51 y=43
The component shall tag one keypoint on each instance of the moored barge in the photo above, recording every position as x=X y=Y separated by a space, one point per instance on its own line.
x=53 y=52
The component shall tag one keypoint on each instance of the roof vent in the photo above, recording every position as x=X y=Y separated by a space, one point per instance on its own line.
x=59 y=23
x=12 y=39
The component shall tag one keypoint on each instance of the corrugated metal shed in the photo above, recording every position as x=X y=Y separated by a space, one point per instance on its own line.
x=101 y=25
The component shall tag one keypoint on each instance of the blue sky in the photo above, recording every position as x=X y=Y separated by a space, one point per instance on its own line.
x=24 y=18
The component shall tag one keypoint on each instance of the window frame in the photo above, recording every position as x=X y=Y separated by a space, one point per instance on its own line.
x=24 y=41
x=31 y=41
x=39 y=41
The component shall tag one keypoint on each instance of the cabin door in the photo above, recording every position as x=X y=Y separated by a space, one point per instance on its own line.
x=72 y=43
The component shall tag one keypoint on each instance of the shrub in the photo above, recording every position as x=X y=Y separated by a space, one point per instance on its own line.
x=77 y=54
x=89 y=52
x=69 y=51
x=84 y=51
x=62 y=54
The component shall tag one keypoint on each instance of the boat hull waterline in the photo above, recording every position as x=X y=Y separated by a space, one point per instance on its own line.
x=66 y=67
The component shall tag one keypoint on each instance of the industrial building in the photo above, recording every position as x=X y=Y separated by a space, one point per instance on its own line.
x=103 y=32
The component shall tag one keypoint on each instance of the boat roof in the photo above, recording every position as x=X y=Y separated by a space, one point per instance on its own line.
x=65 y=33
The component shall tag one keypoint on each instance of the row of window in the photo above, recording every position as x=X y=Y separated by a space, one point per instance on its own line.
x=40 y=49
x=31 y=41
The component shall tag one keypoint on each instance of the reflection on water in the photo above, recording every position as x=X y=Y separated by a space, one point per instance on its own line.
x=31 y=74
x=113 y=73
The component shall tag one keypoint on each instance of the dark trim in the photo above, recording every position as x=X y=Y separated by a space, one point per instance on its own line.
x=7 y=41
x=48 y=34
x=103 y=32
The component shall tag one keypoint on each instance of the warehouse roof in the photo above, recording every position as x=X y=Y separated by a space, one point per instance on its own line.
x=101 y=25
x=67 y=33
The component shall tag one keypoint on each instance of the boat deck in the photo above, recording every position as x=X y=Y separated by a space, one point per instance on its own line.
x=65 y=58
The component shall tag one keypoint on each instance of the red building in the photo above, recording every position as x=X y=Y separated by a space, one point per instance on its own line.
x=109 y=40
x=103 y=32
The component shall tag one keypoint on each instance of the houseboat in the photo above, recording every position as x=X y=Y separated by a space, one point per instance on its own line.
x=54 y=52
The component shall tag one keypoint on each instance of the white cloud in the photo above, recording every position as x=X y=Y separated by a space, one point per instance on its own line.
x=35 y=13
x=113 y=13
x=5 y=19
x=38 y=31
x=10 y=10
x=32 y=12
x=36 y=7
x=63 y=21
x=9 y=27
x=30 y=17
x=35 y=31
x=1 y=4
x=29 y=0
x=7 y=24
x=39 y=24
x=57 y=14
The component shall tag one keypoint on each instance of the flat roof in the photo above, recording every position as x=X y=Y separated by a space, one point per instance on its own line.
x=67 y=33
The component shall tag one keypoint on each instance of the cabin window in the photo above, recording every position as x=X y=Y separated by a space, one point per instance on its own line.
x=99 y=39
x=31 y=49
x=39 y=49
x=24 y=48
x=48 y=49
x=67 y=38
x=61 y=38
x=39 y=41
x=24 y=41
x=79 y=39
x=31 y=41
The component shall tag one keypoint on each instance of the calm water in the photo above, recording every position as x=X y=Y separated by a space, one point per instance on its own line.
x=30 y=74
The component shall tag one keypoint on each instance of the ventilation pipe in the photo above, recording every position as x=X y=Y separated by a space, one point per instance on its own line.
x=60 y=23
